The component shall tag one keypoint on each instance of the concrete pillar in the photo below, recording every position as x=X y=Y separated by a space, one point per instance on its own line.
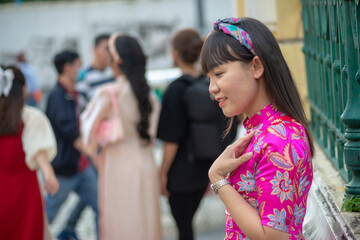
x=289 y=33
x=240 y=6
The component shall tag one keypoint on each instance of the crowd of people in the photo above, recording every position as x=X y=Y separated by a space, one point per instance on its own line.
x=97 y=135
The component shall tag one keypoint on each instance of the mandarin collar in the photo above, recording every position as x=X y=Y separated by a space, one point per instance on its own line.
x=260 y=117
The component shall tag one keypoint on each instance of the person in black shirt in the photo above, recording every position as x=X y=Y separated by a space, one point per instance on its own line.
x=183 y=179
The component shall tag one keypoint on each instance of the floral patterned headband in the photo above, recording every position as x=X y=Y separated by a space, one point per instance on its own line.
x=227 y=26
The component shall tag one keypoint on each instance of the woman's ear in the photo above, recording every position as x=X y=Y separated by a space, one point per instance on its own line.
x=24 y=91
x=175 y=53
x=258 y=68
x=176 y=56
x=115 y=68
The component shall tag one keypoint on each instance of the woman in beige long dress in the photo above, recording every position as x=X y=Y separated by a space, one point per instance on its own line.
x=128 y=180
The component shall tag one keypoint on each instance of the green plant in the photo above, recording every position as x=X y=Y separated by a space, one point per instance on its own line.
x=351 y=204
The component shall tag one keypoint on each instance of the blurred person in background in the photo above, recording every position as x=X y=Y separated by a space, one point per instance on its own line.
x=90 y=79
x=71 y=167
x=33 y=90
x=97 y=74
x=27 y=142
x=128 y=180
x=184 y=179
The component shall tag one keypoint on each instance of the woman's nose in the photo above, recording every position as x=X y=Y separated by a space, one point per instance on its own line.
x=213 y=88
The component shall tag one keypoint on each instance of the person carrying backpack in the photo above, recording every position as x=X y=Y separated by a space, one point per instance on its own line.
x=191 y=126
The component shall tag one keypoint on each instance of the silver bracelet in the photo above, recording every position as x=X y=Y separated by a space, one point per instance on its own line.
x=216 y=186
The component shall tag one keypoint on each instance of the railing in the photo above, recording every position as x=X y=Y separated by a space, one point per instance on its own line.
x=331 y=47
x=54 y=1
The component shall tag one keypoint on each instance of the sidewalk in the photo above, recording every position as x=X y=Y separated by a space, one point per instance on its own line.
x=209 y=221
x=322 y=221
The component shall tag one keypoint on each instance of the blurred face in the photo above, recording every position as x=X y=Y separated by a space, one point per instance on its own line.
x=73 y=69
x=115 y=67
x=234 y=87
x=174 y=54
x=101 y=53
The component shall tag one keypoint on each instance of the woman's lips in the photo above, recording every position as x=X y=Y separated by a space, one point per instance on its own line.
x=221 y=101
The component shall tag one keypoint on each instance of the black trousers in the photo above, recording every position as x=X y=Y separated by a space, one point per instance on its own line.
x=183 y=207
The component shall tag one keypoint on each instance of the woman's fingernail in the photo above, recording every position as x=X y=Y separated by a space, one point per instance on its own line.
x=250 y=153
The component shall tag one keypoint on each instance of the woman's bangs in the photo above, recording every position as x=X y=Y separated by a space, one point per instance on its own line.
x=216 y=51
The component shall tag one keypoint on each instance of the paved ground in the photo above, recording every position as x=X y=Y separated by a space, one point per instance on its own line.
x=209 y=219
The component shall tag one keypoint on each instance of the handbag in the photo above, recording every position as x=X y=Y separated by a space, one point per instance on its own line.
x=110 y=130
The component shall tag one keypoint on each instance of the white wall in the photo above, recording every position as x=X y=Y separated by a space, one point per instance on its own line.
x=43 y=29
x=263 y=10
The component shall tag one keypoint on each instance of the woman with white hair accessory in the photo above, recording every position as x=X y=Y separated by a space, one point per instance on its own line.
x=26 y=143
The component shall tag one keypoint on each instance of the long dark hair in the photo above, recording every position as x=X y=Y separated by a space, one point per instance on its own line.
x=189 y=43
x=133 y=66
x=220 y=48
x=11 y=106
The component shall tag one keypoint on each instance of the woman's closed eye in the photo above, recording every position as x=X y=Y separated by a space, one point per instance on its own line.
x=219 y=74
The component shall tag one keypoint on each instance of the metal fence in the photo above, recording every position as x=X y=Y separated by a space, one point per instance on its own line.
x=331 y=47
